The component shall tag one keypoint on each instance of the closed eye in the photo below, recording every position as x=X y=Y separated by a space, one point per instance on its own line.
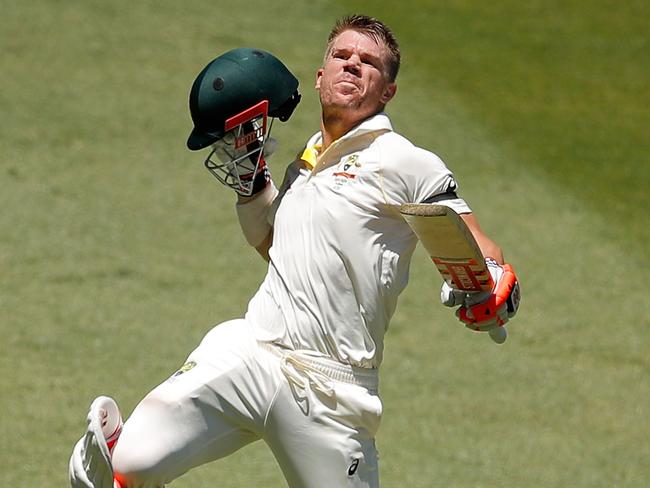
x=365 y=58
x=340 y=54
x=371 y=61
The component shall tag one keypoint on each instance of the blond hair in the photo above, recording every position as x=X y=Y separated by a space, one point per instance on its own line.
x=374 y=29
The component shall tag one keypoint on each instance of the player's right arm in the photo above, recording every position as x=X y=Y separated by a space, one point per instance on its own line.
x=257 y=212
x=253 y=215
x=264 y=246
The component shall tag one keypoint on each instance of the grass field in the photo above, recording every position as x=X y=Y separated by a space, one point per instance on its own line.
x=118 y=251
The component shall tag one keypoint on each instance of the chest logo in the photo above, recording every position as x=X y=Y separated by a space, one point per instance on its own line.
x=347 y=167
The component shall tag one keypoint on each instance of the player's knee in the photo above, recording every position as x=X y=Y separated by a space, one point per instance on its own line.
x=136 y=466
x=140 y=457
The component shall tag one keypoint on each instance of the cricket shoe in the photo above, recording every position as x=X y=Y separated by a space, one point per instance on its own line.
x=90 y=463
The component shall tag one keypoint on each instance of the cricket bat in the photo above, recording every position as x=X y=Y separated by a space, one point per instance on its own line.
x=453 y=249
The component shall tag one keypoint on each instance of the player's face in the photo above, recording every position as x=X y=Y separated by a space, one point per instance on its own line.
x=354 y=75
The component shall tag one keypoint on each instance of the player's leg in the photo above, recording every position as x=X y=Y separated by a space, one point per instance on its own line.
x=325 y=439
x=164 y=439
x=203 y=412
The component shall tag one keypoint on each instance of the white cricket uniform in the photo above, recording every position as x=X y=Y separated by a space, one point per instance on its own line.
x=341 y=250
x=301 y=370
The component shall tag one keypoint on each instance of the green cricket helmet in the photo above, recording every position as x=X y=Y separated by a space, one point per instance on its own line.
x=233 y=83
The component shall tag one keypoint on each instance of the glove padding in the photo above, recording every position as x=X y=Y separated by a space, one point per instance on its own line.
x=484 y=311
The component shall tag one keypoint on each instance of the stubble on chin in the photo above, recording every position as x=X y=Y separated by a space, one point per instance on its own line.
x=340 y=99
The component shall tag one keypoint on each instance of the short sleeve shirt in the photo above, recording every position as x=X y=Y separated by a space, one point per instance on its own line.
x=341 y=250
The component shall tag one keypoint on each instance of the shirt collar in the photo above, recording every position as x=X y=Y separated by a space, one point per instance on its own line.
x=377 y=123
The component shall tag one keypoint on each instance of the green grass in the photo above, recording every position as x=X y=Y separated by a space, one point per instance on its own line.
x=118 y=251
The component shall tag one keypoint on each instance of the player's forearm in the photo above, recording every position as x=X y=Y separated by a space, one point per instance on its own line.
x=253 y=218
x=489 y=248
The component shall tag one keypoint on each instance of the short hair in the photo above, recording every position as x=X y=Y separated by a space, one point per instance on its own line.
x=376 y=30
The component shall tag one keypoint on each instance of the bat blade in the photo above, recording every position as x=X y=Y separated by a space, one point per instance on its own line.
x=452 y=248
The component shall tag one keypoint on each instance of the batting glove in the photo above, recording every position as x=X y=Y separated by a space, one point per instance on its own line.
x=484 y=313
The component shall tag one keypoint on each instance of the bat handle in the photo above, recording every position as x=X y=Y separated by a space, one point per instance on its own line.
x=499 y=335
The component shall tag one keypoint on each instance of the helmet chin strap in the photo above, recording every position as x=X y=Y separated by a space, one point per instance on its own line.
x=287 y=108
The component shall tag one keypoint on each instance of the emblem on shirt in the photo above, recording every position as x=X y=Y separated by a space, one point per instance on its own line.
x=183 y=369
x=346 y=170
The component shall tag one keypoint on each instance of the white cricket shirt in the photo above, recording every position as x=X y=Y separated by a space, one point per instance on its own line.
x=341 y=250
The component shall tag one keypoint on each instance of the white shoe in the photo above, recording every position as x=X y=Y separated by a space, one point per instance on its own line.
x=90 y=463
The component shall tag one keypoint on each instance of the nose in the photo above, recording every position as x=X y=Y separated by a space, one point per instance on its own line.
x=353 y=65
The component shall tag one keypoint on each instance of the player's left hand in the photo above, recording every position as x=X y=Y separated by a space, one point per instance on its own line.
x=486 y=311
x=499 y=306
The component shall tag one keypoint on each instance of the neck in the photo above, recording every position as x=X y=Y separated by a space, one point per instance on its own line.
x=335 y=124
x=332 y=129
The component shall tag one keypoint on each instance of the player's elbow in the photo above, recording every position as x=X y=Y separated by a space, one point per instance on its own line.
x=264 y=247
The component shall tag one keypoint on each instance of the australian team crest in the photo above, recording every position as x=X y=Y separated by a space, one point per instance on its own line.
x=183 y=369
x=346 y=170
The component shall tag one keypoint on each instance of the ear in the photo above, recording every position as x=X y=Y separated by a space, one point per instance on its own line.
x=389 y=93
x=319 y=75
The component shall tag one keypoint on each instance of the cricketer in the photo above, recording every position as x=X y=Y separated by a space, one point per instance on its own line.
x=300 y=370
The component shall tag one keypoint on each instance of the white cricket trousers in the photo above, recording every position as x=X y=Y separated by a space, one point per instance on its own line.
x=318 y=416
